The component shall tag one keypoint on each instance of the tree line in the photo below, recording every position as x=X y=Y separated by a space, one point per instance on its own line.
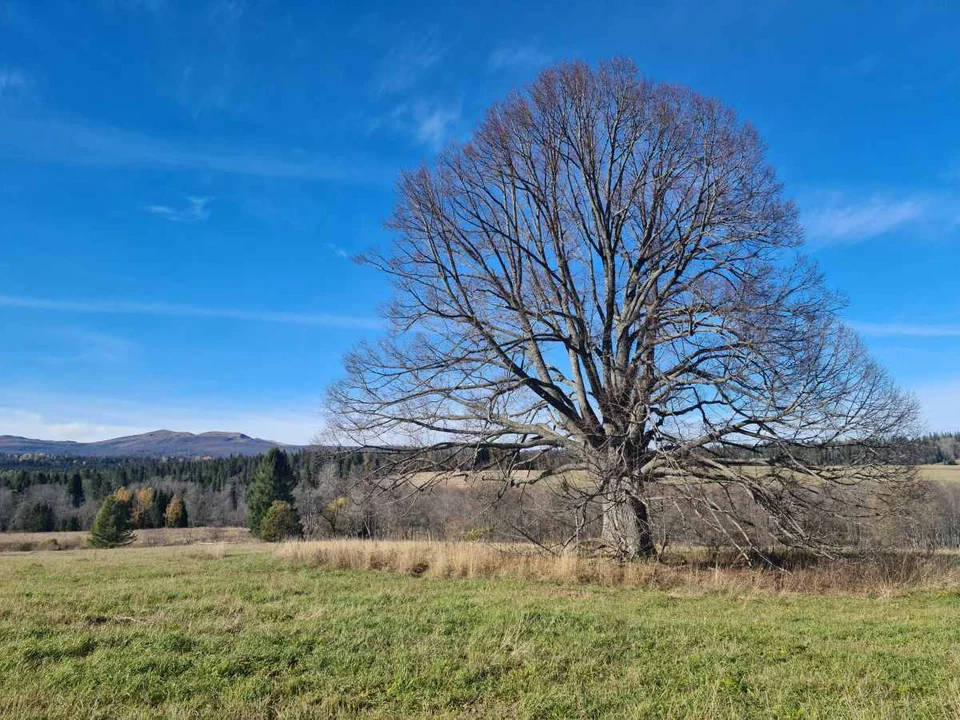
x=45 y=493
x=333 y=494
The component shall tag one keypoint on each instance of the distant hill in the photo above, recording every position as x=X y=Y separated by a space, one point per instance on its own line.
x=160 y=443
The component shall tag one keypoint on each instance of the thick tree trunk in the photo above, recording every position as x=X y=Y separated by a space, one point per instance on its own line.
x=626 y=527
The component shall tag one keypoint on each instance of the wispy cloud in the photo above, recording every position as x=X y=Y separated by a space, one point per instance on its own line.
x=55 y=141
x=435 y=125
x=214 y=74
x=407 y=62
x=86 y=347
x=859 y=67
x=337 y=250
x=430 y=123
x=917 y=330
x=151 y=6
x=517 y=57
x=202 y=91
x=165 y=309
x=195 y=210
x=15 y=84
x=843 y=221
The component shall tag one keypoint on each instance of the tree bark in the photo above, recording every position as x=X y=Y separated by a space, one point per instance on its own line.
x=626 y=527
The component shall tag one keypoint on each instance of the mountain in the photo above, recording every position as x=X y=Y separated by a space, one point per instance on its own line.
x=160 y=443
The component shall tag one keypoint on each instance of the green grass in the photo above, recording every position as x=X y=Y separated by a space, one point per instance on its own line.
x=183 y=632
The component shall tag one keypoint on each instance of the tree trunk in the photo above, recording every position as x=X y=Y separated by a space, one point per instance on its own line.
x=626 y=527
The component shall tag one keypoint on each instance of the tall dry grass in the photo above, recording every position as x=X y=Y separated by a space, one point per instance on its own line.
x=687 y=571
x=153 y=537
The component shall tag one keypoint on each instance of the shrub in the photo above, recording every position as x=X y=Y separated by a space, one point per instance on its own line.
x=279 y=522
x=111 y=528
x=176 y=514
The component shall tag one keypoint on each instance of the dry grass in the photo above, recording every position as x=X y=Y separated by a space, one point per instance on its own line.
x=25 y=542
x=940 y=473
x=692 y=571
x=946 y=474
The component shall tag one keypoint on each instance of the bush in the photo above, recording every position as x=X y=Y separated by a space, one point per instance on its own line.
x=111 y=528
x=279 y=522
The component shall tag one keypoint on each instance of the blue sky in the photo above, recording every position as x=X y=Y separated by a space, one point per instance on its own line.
x=182 y=184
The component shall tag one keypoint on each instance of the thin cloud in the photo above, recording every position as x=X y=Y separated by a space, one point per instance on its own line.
x=517 y=57
x=163 y=309
x=407 y=62
x=54 y=141
x=337 y=250
x=851 y=222
x=430 y=123
x=15 y=84
x=195 y=210
x=214 y=75
x=436 y=125
x=906 y=330
x=86 y=347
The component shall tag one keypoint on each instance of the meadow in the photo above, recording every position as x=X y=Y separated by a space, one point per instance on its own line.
x=246 y=630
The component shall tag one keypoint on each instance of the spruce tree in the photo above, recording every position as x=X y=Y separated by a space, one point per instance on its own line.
x=272 y=481
x=75 y=489
x=111 y=528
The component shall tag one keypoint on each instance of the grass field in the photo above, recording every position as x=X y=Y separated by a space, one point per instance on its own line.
x=235 y=631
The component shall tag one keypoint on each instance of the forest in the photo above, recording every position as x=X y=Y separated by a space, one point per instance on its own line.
x=335 y=497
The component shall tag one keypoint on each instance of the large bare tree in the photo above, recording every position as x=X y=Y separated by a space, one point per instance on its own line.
x=607 y=273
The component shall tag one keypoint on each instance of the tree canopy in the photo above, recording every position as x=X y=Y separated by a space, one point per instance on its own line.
x=609 y=267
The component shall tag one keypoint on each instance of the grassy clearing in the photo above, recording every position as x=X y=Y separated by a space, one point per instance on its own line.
x=234 y=631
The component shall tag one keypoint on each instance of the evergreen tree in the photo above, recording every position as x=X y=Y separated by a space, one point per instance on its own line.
x=111 y=528
x=75 y=488
x=272 y=481
x=35 y=517
x=176 y=514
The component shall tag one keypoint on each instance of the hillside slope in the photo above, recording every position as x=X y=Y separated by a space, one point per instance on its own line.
x=160 y=443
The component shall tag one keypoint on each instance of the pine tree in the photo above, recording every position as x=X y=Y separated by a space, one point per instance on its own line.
x=272 y=481
x=176 y=514
x=75 y=489
x=111 y=528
